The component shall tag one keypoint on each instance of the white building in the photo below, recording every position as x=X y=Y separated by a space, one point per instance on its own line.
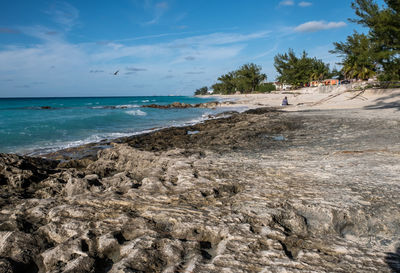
x=282 y=86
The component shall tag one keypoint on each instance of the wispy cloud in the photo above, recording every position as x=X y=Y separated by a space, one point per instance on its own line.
x=194 y=72
x=22 y=86
x=314 y=26
x=148 y=37
x=212 y=46
x=305 y=4
x=158 y=11
x=51 y=33
x=219 y=39
x=268 y=52
x=135 y=69
x=42 y=33
x=53 y=57
x=286 y=3
x=162 y=6
x=8 y=30
x=64 y=14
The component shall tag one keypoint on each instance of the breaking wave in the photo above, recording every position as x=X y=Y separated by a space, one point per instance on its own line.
x=136 y=113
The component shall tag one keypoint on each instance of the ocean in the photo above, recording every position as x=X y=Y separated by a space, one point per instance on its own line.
x=37 y=126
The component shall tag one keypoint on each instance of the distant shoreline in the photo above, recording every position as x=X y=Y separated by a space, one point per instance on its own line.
x=387 y=101
x=298 y=102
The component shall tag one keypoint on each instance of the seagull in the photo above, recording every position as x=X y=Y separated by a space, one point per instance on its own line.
x=116 y=72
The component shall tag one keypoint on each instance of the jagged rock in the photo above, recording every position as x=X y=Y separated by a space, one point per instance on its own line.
x=212 y=104
x=19 y=249
x=167 y=106
x=230 y=198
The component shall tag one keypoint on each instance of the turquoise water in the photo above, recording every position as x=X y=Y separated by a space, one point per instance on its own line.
x=27 y=128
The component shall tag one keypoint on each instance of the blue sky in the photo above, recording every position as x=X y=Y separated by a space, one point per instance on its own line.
x=72 y=48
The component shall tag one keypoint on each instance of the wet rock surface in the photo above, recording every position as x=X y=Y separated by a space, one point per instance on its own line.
x=262 y=191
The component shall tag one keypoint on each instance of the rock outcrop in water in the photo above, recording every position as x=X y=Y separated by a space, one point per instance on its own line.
x=262 y=191
x=212 y=104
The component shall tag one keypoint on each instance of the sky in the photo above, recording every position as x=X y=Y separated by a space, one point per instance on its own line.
x=167 y=47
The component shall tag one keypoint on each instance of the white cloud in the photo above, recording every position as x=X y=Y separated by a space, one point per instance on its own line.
x=159 y=9
x=305 y=4
x=286 y=3
x=162 y=6
x=42 y=33
x=314 y=26
x=219 y=39
x=64 y=13
x=89 y=66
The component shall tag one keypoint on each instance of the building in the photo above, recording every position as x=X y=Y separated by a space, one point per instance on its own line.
x=315 y=83
x=282 y=86
x=331 y=82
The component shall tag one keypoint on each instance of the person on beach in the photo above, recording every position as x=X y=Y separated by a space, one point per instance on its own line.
x=285 y=101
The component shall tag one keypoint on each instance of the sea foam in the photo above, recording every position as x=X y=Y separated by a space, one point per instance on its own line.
x=136 y=113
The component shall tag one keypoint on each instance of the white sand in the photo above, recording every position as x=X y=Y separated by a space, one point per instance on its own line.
x=375 y=102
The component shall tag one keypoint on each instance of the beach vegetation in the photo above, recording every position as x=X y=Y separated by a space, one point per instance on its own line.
x=247 y=79
x=378 y=51
x=299 y=71
x=358 y=57
x=266 y=87
x=201 y=91
x=227 y=84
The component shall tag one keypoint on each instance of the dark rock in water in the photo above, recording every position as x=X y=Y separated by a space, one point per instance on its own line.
x=225 y=199
x=172 y=105
x=45 y=107
x=178 y=105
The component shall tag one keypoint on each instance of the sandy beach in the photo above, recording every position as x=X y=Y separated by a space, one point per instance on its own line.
x=387 y=101
x=310 y=187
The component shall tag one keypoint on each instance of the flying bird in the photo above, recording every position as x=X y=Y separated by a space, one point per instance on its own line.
x=116 y=72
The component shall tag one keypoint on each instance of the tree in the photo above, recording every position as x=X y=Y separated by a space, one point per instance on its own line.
x=266 y=87
x=201 y=91
x=228 y=83
x=336 y=74
x=384 y=34
x=298 y=71
x=359 y=57
x=248 y=77
x=319 y=70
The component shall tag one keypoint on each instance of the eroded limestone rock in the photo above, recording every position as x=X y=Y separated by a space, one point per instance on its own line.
x=230 y=198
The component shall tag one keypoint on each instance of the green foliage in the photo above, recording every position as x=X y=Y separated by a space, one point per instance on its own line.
x=227 y=83
x=249 y=77
x=299 y=71
x=201 y=91
x=358 y=55
x=246 y=79
x=380 y=49
x=336 y=74
x=266 y=87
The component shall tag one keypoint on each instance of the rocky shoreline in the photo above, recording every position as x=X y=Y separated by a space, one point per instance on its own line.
x=260 y=191
x=180 y=105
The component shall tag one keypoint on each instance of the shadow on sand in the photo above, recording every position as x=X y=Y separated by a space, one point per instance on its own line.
x=382 y=104
x=393 y=260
